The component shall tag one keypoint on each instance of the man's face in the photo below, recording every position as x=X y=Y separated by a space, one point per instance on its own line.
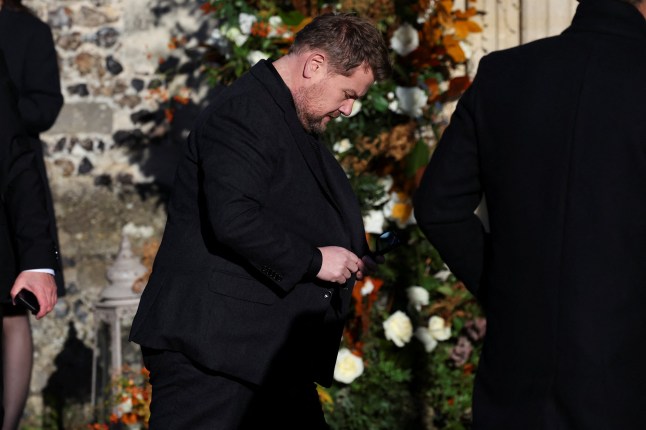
x=329 y=97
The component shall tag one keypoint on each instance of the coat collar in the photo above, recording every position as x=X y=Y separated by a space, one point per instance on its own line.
x=610 y=17
x=267 y=75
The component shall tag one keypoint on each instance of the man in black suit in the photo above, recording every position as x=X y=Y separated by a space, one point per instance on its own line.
x=248 y=296
x=27 y=249
x=553 y=133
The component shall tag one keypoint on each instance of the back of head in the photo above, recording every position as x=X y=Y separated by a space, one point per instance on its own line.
x=349 y=41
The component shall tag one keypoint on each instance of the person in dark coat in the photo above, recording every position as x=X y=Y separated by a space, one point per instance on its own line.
x=553 y=134
x=33 y=68
x=25 y=232
x=250 y=289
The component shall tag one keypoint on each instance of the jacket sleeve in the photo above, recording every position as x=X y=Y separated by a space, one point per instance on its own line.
x=238 y=160
x=40 y=98
x=449 y=193
x=21 y=188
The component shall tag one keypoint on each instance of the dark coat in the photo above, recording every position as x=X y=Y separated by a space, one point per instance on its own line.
x=230 y=286
x=25 y=237
x=554 y=134
x=31 y=59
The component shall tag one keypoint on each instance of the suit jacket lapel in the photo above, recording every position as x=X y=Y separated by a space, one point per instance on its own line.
x=283 y=98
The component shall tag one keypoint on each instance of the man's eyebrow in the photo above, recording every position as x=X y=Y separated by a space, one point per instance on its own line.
x=352 y=94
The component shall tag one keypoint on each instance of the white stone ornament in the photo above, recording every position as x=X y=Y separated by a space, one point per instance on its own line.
x=122 y=275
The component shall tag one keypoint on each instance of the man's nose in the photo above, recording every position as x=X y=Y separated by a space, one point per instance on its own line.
x=346 y=107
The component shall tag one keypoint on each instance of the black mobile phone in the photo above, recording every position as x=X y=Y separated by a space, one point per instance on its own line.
x=386 y=242
x=27 y=299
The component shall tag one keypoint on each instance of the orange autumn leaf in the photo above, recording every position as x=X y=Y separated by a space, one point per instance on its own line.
x=453 y=49
x=461 y=29
x=466 y=14
x=474 y=27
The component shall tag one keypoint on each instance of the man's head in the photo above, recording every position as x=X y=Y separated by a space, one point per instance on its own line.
x=349 y=41
x=334 y=60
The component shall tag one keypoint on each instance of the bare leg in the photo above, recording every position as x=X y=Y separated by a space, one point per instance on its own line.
x=18 y=358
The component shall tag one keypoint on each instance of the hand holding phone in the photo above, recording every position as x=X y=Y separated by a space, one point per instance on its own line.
x=27 y=299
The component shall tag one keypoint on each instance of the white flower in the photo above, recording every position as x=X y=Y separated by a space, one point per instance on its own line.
x=411 y=100
x=405 y=40
x=125 y=407
x=246 y=21
x=342 y=145
x=438 y=329
x=235 y=35
x=275 y=23
x=368 y=287
x=443 y=274
x=373 y=222
x=254 y=56
x=417 y=296
x=348 y=366
x=424 y=335
x=398 y=328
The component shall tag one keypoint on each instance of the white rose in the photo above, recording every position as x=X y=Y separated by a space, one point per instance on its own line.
x=367 y=288
x=254 y=56
x=423 y=335
x=236 y=36
x=348 y=366
x=438 y=329
x=398 y=328
x=417 y=296
x=373 y=222
x=443 y=274
x=405 y=40
x=275 y=22
x=342 y=145
x=125 y=407
x=411 y=100
x=246 y=21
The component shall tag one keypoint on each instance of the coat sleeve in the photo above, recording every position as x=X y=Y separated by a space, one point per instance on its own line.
x=40 y=98
x=22 y=189
x=238 y=161
x=449 y=193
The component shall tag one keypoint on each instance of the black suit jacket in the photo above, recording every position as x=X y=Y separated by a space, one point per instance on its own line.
x=25 y=237
x=32 y=63
x=252 y=200
x=554 y=134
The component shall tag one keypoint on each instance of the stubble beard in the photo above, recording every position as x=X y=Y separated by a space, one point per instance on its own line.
x=305 y=101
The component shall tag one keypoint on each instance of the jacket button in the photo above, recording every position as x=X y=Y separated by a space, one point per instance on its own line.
x=327 y=294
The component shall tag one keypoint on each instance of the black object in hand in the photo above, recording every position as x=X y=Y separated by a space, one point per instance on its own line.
x=386 y=242
x=27 y=299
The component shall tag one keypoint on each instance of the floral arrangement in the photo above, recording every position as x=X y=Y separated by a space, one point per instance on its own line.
x=129 y=397
x=409 y=351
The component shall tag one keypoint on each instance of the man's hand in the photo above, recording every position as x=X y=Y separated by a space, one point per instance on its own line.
x=43 y=287
x=338 y=264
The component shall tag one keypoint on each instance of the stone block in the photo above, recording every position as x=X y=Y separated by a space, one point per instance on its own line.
x=94 y=118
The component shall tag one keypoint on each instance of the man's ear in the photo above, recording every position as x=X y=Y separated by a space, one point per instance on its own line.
x=315 y=65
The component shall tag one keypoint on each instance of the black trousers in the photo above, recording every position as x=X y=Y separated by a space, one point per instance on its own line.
x=185 y=395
